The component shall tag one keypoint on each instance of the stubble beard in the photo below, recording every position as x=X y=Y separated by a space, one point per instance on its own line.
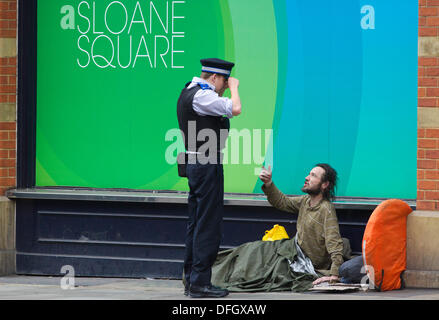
x=313 y=191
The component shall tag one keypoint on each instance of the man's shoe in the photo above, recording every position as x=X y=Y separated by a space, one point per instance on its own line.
x=207 y=292
x=186 y=290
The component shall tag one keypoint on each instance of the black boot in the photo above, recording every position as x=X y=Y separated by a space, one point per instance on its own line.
x=208 y=291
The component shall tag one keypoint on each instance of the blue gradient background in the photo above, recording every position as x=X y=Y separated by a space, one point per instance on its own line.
x=349 y=96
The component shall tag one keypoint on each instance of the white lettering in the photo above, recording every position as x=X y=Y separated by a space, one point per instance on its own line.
x=68 y=21
x=138 y=21
x=68 y=281
x=86 y=52
x=109 y=30
x=94 y=56
x=82 y=16
x=106 y=14
x=368 y=20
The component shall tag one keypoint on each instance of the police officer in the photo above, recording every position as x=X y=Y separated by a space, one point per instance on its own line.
x=200 y=107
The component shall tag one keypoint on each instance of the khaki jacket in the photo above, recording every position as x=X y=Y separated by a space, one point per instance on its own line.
x=317 y=229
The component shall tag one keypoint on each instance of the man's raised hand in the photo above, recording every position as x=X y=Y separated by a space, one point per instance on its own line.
x=265 y=176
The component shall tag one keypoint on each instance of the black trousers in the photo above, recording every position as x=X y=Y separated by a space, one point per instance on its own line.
x=204 y=228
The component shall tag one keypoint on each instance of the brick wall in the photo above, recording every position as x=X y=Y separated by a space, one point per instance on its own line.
x=428 y=106
x=8 y=93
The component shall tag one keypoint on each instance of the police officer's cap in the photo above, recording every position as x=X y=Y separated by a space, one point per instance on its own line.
x=214 y=65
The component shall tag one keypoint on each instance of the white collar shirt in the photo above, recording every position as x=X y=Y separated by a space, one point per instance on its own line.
x=208 y=103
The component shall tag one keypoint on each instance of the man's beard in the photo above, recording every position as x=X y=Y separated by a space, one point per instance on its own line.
x=314 y=191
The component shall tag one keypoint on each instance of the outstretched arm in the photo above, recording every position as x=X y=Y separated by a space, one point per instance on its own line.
x=275 y=197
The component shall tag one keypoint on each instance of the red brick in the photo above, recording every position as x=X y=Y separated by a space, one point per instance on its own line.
x=4 y=80
x=6 y=163
x=420 y=195
x=4 y=172
x=12 y=173
x=432 y=92
x=432 y=154
x=427 y=102
x=431 y=195
x=7 y=125
x=430 y=71
x=427 y=82
x=427 y=143
x=8 y=144
x=427 y=32
x=4 y=6
x=422 y=92
x=431 y=174
x=425 y=205
x=13 y=24
x=12 y=61
x=6 y=88
x=8 y=33
x=8 y=71
x=421 y=154
x=431 y=133
x=422 y=61
x=431 y=11
x=4 y=135
x=420 y=174
x=426 y=164
x=13 y=5
x=427 y=185
x=8 y=15
x=432 y=21
x=432 y=3
x=7 y=182
x=421 y=133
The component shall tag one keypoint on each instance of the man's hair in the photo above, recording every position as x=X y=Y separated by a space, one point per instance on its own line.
x=330 y=176
x=206 y=75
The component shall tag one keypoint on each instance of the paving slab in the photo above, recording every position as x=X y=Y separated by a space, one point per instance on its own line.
x=21 y=287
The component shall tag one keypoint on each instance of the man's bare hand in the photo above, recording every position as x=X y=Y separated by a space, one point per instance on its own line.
x=331 y=279
x=265 y=176
x=232 y=82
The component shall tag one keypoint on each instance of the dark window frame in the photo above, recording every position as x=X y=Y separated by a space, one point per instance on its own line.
x=26 y=93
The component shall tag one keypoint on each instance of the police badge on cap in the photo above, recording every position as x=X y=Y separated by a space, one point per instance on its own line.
x=214 y=65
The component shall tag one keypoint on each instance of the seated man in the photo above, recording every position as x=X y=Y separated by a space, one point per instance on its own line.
x=312 y=256
x=317 y=226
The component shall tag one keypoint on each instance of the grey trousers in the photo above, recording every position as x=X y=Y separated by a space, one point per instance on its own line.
x=350 y=271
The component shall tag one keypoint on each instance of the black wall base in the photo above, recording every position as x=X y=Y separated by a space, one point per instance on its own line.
x=123 y=239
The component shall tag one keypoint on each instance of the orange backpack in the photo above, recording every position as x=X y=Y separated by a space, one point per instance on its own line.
x=384 y=244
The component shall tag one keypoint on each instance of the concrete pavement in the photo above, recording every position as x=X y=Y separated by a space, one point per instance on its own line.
x=20 y=287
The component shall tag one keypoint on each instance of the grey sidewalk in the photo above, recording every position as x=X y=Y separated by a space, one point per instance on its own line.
x=18 y=287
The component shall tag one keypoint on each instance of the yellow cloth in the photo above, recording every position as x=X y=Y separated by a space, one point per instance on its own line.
x=276 y=233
